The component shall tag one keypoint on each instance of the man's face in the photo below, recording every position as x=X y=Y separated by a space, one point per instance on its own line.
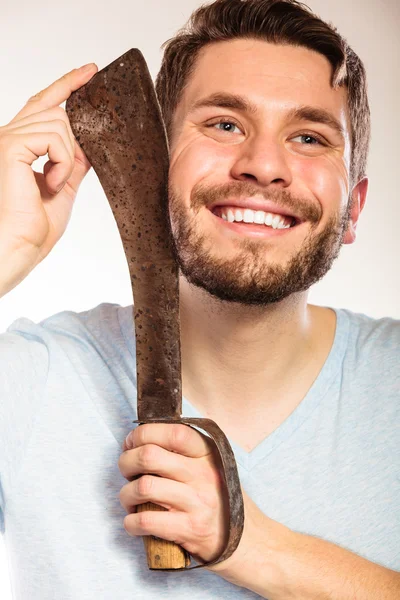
x=259 y=135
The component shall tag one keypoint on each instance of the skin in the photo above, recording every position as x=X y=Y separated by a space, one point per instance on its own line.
x=284 y=338
x=35 y=207
x=233 y=353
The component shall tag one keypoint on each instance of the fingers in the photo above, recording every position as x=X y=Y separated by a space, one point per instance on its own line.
x=17 y=149
x=26 y=148
x=179 y=472
x=58 y=126
x=58 y=92
x=42 y=127
x=156 y=461
x=164 y=492
x=190 y=521
x=165 y=525
x=182 y=439
x=56 y=116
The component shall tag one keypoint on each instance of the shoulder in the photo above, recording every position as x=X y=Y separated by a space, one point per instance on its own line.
x=372 y=350
x=367 y=333
x=365 y=326
x=99 y=328
x=98 y=318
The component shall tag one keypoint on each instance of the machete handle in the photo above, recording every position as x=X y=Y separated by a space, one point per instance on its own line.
x=233 y=488
x=162 y=554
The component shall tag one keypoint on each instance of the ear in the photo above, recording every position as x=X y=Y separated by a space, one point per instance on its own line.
x=358 y=198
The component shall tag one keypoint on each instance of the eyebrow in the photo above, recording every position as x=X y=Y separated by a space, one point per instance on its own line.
x=317 y=115
x=300 y=113
x=224 y=100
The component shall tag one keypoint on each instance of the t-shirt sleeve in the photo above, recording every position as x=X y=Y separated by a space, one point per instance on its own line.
x=91 y=345
x=23 y=371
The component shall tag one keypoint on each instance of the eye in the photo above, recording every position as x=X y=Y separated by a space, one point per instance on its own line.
x=308 y=140
x=226 y=126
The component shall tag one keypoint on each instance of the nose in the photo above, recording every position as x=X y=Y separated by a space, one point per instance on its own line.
x=263 y=161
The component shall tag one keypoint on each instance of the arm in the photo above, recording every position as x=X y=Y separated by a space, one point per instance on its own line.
x=280 y=564
x=271 y=560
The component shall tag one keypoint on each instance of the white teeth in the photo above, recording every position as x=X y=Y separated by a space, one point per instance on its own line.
x=231 y=216
x=248 y=216
x=276 y=221
x=268 y=219
x=238 y=215
x=259 y=217
x=255 y=216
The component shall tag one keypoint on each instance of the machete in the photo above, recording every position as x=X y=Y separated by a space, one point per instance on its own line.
x=117 y=121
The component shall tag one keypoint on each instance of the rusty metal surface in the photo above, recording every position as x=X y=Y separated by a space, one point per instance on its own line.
x=117 y=122
x=116 y=119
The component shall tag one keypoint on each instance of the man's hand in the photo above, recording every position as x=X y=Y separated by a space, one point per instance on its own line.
x=190 y=484
x=271 y=560
x=35 y=207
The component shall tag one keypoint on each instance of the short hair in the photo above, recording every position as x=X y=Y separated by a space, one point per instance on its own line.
x=286 y=22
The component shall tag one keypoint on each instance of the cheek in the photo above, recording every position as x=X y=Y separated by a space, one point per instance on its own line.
x=326 y=178
x=196 y=162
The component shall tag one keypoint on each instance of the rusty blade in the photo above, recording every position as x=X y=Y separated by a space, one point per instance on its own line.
x=117 y=121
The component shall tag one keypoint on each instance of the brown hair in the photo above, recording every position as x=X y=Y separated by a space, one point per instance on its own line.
x=275 y=21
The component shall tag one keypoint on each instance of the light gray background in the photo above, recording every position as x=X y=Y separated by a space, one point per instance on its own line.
x=40 y=41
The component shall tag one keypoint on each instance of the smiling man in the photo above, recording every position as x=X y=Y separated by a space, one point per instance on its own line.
x=268 y=122
x=267 y=150
x=258 y=135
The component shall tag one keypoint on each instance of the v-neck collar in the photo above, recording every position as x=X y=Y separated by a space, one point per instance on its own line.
x=323 y=384
x=326 y=379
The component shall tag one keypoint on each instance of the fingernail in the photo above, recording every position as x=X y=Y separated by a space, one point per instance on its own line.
x=87 y=68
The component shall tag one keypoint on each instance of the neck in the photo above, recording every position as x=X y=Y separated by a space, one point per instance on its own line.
x=239 y=360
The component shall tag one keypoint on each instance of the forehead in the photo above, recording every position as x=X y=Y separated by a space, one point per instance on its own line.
x=274 y=76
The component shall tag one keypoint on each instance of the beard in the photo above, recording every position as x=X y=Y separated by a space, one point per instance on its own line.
x=249 y=278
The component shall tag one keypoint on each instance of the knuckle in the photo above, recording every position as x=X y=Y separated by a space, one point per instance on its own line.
x=60 y=128
x=139 y=435
x=55 y=136
x=147 y=455
x=200 y=525
x=179 y=436
x=209 y=498
x=60 y=123
x=128 y=524
x=145 y=520
x=144 y=486
x=122 y=496
x=59 y=113
x=57 y=139
x=122 y=464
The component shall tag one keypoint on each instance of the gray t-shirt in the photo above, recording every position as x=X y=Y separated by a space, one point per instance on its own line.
x=67 y=401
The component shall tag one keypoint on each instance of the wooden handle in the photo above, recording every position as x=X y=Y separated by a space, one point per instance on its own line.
x=162 y=554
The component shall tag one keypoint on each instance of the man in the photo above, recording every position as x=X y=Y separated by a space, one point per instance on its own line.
x=268 y=122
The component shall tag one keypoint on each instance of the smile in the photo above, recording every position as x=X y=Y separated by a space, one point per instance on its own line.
x=254 y=223
x=259 y=217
